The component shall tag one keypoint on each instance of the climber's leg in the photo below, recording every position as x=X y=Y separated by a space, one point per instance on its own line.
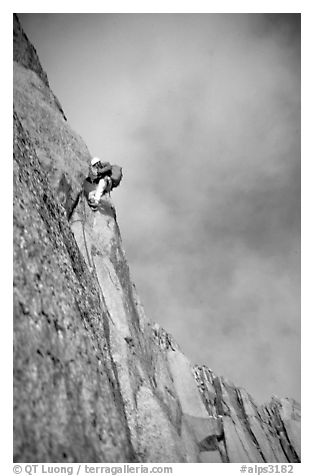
x=102 y=184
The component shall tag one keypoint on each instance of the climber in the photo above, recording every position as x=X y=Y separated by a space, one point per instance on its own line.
x=102 y=178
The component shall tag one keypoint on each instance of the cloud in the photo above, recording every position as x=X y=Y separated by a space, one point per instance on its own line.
x=203 y=113
x=220 y=154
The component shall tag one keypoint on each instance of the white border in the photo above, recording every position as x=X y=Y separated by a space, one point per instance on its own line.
x=307 y=186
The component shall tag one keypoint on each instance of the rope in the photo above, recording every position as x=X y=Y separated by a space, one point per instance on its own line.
x=84 y=236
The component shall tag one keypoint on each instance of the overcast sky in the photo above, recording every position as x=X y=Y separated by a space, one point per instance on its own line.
x=203 y=114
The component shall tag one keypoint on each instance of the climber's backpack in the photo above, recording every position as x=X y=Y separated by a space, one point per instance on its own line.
x=116 y=175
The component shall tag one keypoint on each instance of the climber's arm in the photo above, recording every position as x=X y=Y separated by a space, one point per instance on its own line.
x=104 y=169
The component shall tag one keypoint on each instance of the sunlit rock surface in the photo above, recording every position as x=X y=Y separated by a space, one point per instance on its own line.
x=94 y=379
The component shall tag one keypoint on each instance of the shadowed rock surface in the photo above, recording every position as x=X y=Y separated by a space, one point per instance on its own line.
x=94 y=379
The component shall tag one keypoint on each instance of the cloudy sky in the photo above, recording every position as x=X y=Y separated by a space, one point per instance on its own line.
x=203 y=113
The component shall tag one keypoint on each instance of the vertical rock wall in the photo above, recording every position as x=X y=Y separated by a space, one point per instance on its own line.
x=94 y=379
x=67 y=399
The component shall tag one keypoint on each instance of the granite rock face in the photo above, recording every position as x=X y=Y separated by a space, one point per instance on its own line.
x=61 y=152
x=94 y=379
